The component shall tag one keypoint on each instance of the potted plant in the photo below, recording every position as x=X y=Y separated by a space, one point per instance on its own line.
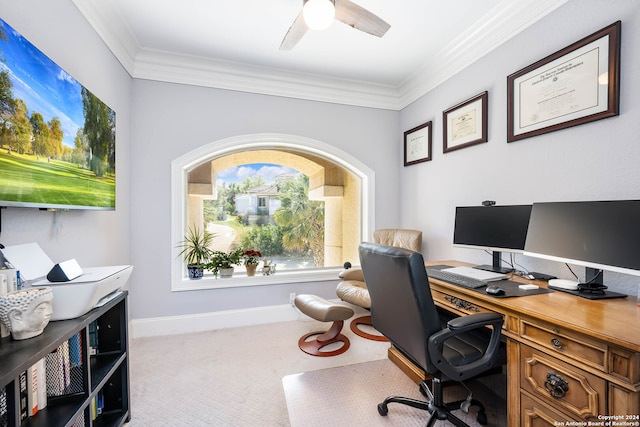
x=222 y=262
x=196 y=251
x=251 y=259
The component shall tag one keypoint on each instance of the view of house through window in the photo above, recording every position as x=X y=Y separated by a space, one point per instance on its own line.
x=300 y=210
x=266 y=207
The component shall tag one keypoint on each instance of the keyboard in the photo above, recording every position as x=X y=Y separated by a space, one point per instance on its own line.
x=456 y=279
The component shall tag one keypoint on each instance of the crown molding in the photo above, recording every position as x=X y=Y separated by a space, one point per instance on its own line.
x=503 y=22
x=499 y=25
x=207 y=72
x=111 y=28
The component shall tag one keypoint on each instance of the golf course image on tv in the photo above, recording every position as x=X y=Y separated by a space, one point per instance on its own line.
x=57 y=139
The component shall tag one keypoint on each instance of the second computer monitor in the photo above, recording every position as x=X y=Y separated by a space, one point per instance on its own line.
x=493 y=228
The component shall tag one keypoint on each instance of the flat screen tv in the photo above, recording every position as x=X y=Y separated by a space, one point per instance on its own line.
x=492 y=228
x=599 y=235
x=57 y=139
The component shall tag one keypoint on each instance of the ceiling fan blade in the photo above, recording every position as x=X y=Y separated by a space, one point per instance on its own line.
x=295 y=33
x=360 y=18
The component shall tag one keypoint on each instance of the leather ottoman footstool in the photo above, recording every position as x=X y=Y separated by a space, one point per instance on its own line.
x=323 y=310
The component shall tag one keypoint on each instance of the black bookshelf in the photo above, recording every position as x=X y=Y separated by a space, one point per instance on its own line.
x=102 y=371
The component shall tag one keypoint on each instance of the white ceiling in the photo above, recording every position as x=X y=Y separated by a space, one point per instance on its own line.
x=233 y=44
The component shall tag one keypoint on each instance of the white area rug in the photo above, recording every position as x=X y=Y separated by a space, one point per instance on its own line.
x=349 y=395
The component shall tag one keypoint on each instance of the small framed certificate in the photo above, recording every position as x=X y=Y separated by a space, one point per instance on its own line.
x=576 y=85
x=465 y=124
x=417 y=144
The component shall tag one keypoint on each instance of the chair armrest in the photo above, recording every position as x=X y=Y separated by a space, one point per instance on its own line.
x=352 y=274
x=463 y=325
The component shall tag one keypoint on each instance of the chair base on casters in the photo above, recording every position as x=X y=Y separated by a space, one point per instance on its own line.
x=323 y=339
x=365 y=320
x=436 y=407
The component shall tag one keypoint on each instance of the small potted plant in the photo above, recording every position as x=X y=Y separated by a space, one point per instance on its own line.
x=222 y=262
x=251 y=259
x=196 y=251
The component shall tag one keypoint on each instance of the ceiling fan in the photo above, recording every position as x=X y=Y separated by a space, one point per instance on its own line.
x=343 y=10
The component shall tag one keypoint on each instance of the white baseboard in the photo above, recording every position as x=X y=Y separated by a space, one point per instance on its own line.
x=173 y=325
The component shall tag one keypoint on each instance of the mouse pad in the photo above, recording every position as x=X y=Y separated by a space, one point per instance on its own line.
x=512 y=289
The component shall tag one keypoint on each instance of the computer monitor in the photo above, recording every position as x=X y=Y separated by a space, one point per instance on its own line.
x=599 y=235
x=492 y=228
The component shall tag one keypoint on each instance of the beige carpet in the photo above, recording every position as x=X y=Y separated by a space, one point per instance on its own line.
x=228 y=377
x=348 y=396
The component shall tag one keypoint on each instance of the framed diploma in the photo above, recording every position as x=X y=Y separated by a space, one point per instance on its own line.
x=417 y=144
x=465 y=124
x=576 y=85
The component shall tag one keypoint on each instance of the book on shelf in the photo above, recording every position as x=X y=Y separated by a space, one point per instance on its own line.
x=42 y=384
x=75 y=350
x=32 y=389
x=11 y=276
x=23 y=390
x=4 y=288
x=97 y=405
x=100 y=404
x=66 y=363
x=93 y=338
x=8 y=283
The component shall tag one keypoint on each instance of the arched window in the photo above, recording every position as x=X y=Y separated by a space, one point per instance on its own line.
x=340 y=181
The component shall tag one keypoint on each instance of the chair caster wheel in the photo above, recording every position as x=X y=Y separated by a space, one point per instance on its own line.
x=482 y=418
x=382 y=409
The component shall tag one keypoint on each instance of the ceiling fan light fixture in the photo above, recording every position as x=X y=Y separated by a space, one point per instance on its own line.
x=319 y=14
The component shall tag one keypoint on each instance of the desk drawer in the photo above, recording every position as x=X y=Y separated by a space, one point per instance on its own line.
x=536 y=414
x=457 y=304
x=568 y=343
x=561 y=385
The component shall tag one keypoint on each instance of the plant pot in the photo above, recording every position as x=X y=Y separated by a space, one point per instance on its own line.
x=225 y=272
x=251 y=269
x=195 y=272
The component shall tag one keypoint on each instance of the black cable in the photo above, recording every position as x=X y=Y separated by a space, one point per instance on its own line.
x=520 y=272
x=509 y=263
x=593 y=278
x=574 y=274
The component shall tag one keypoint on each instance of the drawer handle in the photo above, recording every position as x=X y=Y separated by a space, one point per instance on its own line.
x=556 y=343
x=556 y=385
x=460 y=303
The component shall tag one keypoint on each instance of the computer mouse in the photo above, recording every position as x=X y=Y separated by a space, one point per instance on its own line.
x=494 y=290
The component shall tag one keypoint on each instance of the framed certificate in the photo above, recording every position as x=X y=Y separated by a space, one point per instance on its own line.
x=465 y=124
x=576 y=85
x=417 y=144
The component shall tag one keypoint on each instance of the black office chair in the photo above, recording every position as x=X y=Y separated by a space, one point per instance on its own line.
x=402 y=309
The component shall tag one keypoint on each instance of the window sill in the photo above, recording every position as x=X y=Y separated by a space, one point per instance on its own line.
x=240 y=279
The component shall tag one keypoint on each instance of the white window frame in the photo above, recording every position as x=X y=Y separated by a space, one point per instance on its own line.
x=181 y=166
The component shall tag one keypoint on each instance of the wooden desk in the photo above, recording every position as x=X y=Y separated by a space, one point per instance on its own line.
x=591 y=349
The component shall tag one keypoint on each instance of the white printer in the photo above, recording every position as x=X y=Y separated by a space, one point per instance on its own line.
x=73 y=298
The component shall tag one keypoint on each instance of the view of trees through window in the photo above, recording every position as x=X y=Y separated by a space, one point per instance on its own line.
x=266 y=207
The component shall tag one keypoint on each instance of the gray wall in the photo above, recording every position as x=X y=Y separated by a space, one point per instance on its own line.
x=595 y=161
x=171 y=120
